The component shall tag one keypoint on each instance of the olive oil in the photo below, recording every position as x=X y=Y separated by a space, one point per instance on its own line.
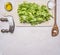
x=8 y=6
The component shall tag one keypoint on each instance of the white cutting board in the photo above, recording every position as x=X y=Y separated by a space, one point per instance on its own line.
x=13 y=13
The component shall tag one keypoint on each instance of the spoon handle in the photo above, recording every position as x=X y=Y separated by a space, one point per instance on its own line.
x=55 y=11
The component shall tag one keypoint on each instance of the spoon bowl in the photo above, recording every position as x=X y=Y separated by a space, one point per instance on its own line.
x=55 y=31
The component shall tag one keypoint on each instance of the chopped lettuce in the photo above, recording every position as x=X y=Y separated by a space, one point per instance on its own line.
x=33 y=13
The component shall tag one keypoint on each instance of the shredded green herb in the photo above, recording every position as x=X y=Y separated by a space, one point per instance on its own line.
x=33 y=13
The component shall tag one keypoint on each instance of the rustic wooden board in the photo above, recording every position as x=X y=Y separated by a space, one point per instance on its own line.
x=13 y=13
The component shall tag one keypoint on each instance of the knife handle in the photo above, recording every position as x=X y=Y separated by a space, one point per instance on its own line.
x=3 y=19
x=4 y=30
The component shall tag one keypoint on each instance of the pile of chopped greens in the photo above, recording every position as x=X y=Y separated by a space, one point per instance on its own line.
x=33 y=13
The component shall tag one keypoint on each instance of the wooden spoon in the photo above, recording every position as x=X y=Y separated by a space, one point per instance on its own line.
x=55 y=30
